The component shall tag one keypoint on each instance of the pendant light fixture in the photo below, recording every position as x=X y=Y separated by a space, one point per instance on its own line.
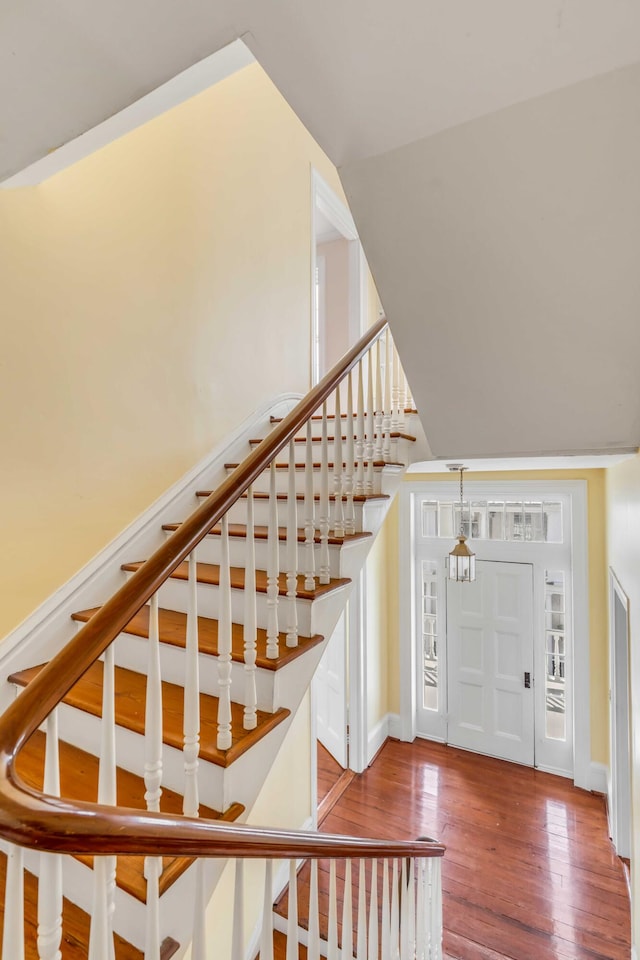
x=462 y=562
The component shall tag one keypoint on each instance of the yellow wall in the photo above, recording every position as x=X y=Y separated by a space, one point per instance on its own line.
x=135 y=287
x=623 y=554
x=598 y=620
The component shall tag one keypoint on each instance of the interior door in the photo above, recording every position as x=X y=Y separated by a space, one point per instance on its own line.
x=331 y=694
x=490 y=655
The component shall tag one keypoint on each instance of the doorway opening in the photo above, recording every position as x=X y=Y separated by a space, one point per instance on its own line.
x=338 y=279
x=499 y=666
x=619 y=720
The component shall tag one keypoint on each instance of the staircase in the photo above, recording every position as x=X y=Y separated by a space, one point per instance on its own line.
x=160 y=721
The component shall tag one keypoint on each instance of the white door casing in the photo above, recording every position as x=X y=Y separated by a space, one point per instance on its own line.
x=490 y=652
x=619 y=720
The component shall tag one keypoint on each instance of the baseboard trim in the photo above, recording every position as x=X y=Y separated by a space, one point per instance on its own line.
x=387 y=726
x=395 y=726
x=598 y=781
x=49 y=627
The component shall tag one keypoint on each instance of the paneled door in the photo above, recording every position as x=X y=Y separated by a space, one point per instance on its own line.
x=490 y=657
x=330 y=685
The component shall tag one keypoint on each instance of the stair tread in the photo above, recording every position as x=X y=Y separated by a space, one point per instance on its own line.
x=79 y=781
x=130 y=697
x=357 y=497
x=75 y=926
x=261 y=532
x=377 y=465
x=343 y=416
x=172 y=626
x=210 y=573
x=393 y=434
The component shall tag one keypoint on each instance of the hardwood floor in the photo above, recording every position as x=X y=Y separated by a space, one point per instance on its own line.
x=529 y=872
x=329 y=772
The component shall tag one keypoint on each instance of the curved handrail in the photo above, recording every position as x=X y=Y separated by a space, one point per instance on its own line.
x=34 y=819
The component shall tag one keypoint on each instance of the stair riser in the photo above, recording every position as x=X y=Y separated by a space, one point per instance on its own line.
x=173 y=595
x=399 y=449
x=410 y=423
x=238 y=513
x=209 y=551
x=282 y=480
x=84 y=730
x=132 y=652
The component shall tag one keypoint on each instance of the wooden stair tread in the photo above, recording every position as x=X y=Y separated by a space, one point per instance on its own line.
x=75 y=925
x=393 y=434
x=79 y=781
x=130 y=699
x=332 y=416
x=173 y=630
x=210 y=573
x=357 y=497
x=261 y=532
x=377 y=465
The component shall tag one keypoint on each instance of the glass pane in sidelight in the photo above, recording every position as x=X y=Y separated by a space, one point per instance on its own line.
x=555 y=656
x=430 y=635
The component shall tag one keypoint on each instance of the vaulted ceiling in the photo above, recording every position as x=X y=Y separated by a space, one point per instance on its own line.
x=489 y=152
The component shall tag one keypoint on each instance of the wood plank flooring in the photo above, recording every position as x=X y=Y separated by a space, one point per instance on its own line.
x=529 y=872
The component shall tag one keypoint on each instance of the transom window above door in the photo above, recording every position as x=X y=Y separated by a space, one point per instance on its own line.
x=533 y=521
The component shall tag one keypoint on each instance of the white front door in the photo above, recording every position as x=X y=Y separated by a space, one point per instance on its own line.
x=330 y=685
x=490 y=662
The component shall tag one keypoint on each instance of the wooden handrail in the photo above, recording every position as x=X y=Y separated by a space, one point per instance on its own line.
x=33 y=819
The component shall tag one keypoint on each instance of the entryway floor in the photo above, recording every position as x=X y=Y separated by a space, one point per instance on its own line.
x=529 y=872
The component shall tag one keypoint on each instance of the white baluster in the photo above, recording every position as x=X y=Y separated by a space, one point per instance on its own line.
x=309 y=512
x=152 y=871
x=13 y=934
x=323 y=523
x=349 y=512
x=153 y=713
x=338 y=514
x=272 y=567
x=360 y=435
x=292 y=919
x=404 y=913
x=422 y=949
x=199 y=941
x=402 y=398
x=409 y=910
x=224 y=641
x=332 y=939
x=385 y=939
x=370 y=429
x=191 y=718
x=313 y=947
x=361 y=933
x=386 y=417
x=379 y=404
x=50 y=882
x=292 y=550
x=237 y=941
x=347 y=913
x=394 y=926
x=266 y=938
x=395 y=390
x=436 y=908
x=104 y=869
x=373 y=912
x=250 y=630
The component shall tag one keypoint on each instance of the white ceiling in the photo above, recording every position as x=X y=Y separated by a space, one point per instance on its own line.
x=501 y=219
x=365 y=76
